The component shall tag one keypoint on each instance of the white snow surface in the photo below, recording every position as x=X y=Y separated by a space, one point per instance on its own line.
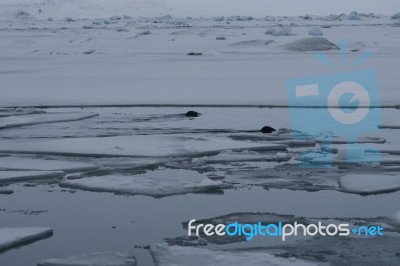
x=158 y=184
x=44 y=61
x=11 y=237
x=165 y=255
x=94 y=259
x=370 y=183
x=34 y=119
x=140 y=145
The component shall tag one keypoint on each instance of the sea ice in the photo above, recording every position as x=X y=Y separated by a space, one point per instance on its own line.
x=95 y=259
x=283 y=32
x=18 y=176
x=311 y=44
x=315 y=31
x=365 y=184
x=353 y=16
x=133 y=146
x=12 y=237
x=165 y=255
x=245 y=156
x=121 y=29
x=23 y=15
x=34 y=119
x=155 y=183
x=396 y=16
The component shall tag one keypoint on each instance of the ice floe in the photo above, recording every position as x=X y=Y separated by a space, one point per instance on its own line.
x=154 y=183
x=315 y=31
x=13 y=237
x=34 y=119
x=133 y=146
x=94 y=259
x=365 y=184
x=19 y=176
x=311 y=44
x=244 y=156
x=165 y=255
x=17 y=163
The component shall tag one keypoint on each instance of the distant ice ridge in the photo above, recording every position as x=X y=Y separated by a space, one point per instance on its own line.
x=95 y=259
x=165 y=255
x=12 y=237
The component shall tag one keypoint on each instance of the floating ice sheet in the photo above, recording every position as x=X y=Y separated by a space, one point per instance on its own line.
x=12 y=237
x=165 y=255
x=134 y=146
x=95 y=259
x=155 y=183
x=365 y=184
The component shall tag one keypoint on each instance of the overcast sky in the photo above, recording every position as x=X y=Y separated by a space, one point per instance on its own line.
x=285 y=7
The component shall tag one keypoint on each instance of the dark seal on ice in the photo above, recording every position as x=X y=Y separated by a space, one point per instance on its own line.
x=192 y=114
x=267 y=129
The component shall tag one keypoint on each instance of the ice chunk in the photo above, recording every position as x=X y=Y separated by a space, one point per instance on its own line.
x=95 y=259
x=12 y=237
x=16 y=163
x=315 y=31
x=68 y=19
x=154 y=183
x=34 y=119
x=133 y=146
x=283 y=32
x=18 y=176
x=396 y=16
x=229 y=156
x=353 y=16
x=121 y=29
x=219 y=19
x=365 y=184
x=23 y=15
x=89 y=51
x=165 y=255
x=311 y=44
x=116 y=17
x=252 y=43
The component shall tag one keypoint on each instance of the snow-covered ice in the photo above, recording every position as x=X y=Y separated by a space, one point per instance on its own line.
x=94 y=259
x=158 y=183
x=34 y=119
x=165 y=255
x=13 y=237
x=315 y=31
x=311 y=44
x=133 y=146
x=365 y=184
